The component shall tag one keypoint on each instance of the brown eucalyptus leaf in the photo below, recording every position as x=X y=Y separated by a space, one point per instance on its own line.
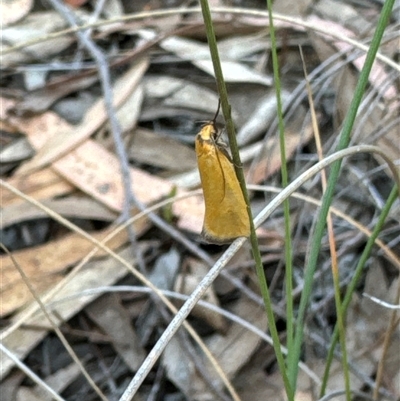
x=160 y=151
x=235 y=348
x=41 y=184
x=80 y=207
x=98 y=273
x=61 y=142
x=108 y=313
x=45 y=266
x=36 y=25
x=187 y=282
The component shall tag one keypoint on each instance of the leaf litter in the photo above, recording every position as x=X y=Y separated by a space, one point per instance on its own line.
x=162 y=94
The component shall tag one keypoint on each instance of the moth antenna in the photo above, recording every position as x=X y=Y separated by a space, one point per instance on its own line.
x=216 y=114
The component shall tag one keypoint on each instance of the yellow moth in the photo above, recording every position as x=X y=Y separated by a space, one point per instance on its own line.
x=226 y=215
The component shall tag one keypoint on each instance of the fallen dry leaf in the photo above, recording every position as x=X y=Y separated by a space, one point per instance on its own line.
x=97 y=273
x=43 y=184
x=60 y=142
x=168 y=95
x=187 y=281
x=199 y=55
x=40 y=100
x=269 y=160
x=72 y=207
x=45 y=266
x=36 y=25
x=108 y=313
x=160 y=151
x=12 y=11
x=234 y=349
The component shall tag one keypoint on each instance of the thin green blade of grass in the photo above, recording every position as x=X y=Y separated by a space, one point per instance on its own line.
x=328 y=196
x=286 y=204
x=354 y=281
x=239 y=171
